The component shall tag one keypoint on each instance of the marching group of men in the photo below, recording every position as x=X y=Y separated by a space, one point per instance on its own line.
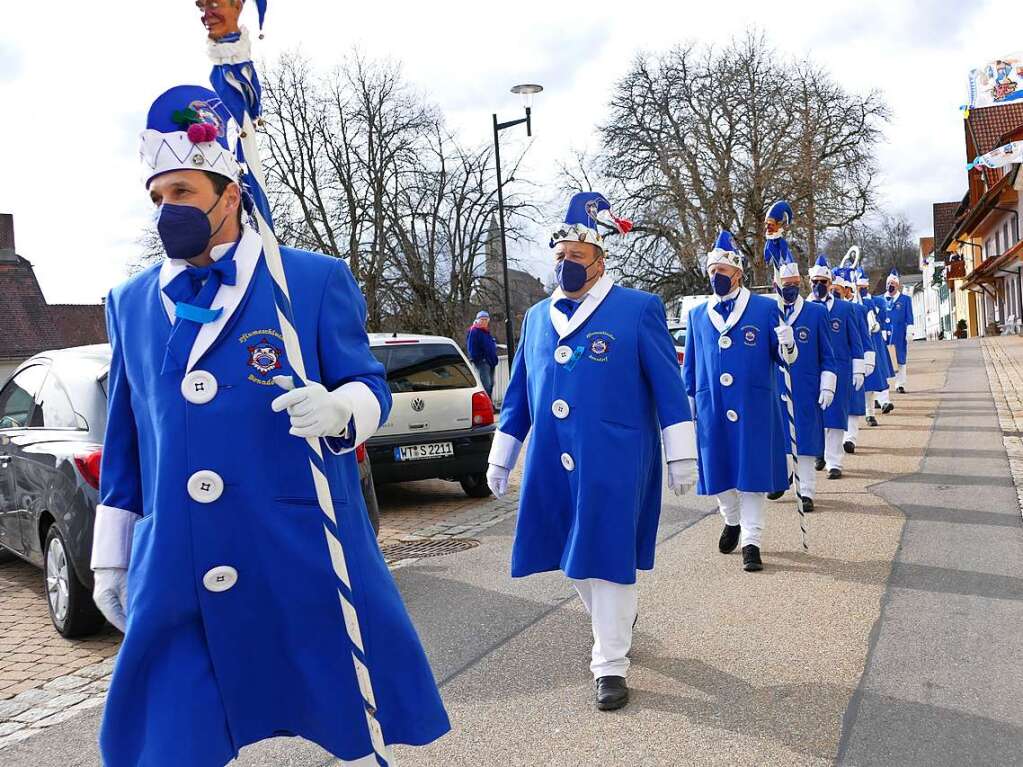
x=227 y=589
x=595 y=386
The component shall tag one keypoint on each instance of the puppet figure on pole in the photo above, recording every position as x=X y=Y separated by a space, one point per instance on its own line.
x=232 y=544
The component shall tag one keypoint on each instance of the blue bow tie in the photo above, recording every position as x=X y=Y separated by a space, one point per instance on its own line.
x=724 y=308
x=566 y=306
x=192 y=292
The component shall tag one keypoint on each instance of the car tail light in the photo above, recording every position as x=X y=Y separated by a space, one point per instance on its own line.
x=482 y=409
x=360 y=452
x=88 y=467
x=681 y=356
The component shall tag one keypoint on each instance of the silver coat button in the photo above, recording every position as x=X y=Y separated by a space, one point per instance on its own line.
x=220 y=579
x=732 y=416
x=568 y=462
x=724 y=342
x=726 y=379
x=560 y=409
x=199 y=387
x=205 y=486
x=562 y=354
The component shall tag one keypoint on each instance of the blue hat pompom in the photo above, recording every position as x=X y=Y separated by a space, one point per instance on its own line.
x=261 y=6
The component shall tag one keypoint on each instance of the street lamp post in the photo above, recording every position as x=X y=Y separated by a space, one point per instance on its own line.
x=527 y=91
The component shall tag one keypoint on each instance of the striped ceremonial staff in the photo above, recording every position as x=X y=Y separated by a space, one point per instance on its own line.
x=235 y=81
x=793 y=461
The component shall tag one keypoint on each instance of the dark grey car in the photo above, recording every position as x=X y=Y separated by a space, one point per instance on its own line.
x=52 y=419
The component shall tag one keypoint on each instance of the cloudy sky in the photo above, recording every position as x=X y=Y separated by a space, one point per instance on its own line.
x=74 y=94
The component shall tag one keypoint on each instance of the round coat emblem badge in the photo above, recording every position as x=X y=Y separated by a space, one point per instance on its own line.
x=749 y=335
x=265 y=357
x=803 y=335
x=836 y=325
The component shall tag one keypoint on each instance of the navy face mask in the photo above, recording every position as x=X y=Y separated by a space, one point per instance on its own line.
x=185 y=230
x=789 y=293
x=820 y=290
x=571 y=275
x=721 y=283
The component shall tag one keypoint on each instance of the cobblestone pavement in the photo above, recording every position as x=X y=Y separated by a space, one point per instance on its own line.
x=46 y=679
x=1003 y=356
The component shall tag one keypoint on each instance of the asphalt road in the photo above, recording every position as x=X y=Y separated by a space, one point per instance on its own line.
x=894 y=641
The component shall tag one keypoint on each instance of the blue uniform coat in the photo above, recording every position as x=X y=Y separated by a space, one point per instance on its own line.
x=883 y=369
x=809 y=323
x=858 y=399
x=899 y=317
x=594 y=394
x=730 y=369
x=203 y=672
x=847 y=345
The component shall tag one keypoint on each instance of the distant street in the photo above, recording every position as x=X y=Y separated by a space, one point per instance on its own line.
x=894 y=641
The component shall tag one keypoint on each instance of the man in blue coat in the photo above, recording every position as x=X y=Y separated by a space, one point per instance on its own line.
x=899 y=323
x=847 y=345
x=813 y=375
x=844 y=287
x=877 y=383
x=209 y=547
x=735 y=342
x=482 y=350
x=596 y=387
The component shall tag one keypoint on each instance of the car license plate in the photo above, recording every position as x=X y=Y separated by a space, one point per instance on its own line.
x=420 y=452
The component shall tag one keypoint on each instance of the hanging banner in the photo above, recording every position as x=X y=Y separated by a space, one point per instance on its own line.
x=997 y=82
x=1000 y=157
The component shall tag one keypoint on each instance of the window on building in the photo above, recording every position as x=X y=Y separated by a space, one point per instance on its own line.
x=1005 y=237
x=989 y=248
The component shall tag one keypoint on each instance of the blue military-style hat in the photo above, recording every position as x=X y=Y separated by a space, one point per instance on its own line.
x=589 y=219
x=786 y=265
x=893 y=277
x=188 y=128
x=820 y=269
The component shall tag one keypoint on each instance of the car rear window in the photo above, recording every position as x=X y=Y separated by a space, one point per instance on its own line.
x=679 y=334
x=424 y=367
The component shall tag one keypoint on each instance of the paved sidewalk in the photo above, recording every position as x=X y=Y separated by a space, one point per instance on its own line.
x=1003 y=356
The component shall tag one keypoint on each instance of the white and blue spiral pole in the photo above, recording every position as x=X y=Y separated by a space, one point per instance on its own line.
x=773 y=254
x=236 y=83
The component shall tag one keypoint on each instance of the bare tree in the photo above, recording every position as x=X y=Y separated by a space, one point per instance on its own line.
x=699 y=139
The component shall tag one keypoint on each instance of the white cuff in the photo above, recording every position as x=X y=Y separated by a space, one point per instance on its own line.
x=859 y=366
x=829 y=381
x=365 y=410
x=504 y=451
x=788 y=353
x=869 y=358
x=111 y=537
x=679 y=442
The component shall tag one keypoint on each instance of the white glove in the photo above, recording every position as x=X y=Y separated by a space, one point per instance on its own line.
x=826 y=398
x=681 y=475
x=497 y=478
x=785 y=335
x=868 y=368
x=885 y=335
x=314 y=411
x=858 y=381
x=110 y=593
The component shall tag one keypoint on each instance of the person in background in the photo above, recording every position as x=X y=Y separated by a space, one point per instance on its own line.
x=899 y=324
x=482 y=349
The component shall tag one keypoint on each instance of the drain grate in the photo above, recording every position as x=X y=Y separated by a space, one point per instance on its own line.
x=430 y=547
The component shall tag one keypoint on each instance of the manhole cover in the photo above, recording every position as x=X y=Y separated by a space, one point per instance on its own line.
x=432 y=547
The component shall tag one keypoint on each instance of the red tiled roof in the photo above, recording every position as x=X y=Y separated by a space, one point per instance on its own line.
x=986 y=126
x=944 y=221
x=28 y=325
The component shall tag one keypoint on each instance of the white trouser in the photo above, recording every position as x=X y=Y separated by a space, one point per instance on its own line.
x=746 y=509
x=872 y=397
x=833 y=452
x=612 y=608
x=853 y=429
x=900 y=376
x=807 y=465
x=884 y=397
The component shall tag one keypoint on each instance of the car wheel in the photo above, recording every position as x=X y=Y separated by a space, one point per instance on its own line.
x=475 y=485
x=71 y=607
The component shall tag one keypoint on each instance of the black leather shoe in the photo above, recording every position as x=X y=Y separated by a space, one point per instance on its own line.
x=807 y=505
x=751 y=562
x=877 y=403
x=612 y=693
x=834 y=474
x=729 y=538
x=888 y=407
x=871 y=421
x=849 y=447
x=901 y=390
x=820 y=464
x=775 y=496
